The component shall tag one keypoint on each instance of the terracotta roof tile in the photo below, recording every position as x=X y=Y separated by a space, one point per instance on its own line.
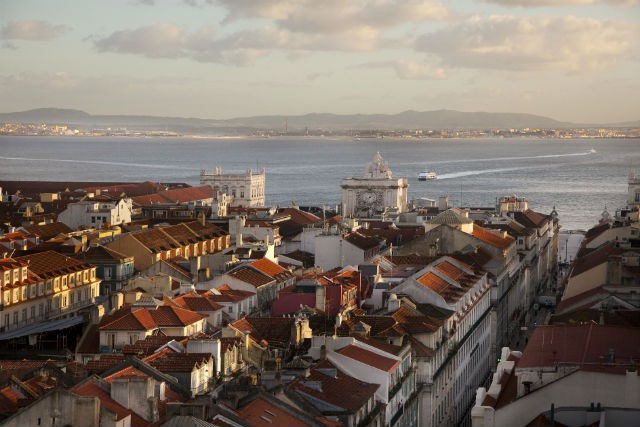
x=492 y=238
x=586 y=346
x=50 y=264
x=361 y=241
x=46 y=231
x=261 y=413
x=369 y=358
x=251 y=276
x=335 y=387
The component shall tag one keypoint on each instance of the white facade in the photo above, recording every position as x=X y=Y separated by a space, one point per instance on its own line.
x=332 y=250
x=461 y=358
x=576 y=391
x=95 y=213
x=375 y=194
x=246 y=190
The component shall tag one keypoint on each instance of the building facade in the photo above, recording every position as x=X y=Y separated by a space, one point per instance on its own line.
x=376 y=194
x=97 y=213
x=41 y=288
x=246 y=190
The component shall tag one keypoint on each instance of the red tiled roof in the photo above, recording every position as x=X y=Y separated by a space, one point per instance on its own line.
x=229 y=295
x=167 y=315
x=51 y=264
x=198 y=303
x=144 y=319
x=274 y=330
x=261 y=413
x=300 y=217
x=341 y=390
x=531 y=218
x=492 y=238
x=90 y=388
x=176 y=195
x=270 y=268
x=433 y=282
x=46 y=231
x=594 y=258
x=586 y=346
x=361 y=241
x=369 y=358
x=251 y=276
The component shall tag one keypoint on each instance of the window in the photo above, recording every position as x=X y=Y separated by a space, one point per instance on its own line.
x=15 y=318
x=24 y=314
x=33 y=312
x=93 y=220
x=73 y=298
x=41 y=310
x=230 y=309
x=6 y=321
x=64 y=301
x=48 y=306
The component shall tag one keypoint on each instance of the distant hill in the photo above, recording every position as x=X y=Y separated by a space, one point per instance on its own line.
x=439 y=119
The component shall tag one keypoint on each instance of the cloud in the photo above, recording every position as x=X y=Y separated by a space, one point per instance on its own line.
x=337 y=16
x=411 y=70
x=166 y=40
x=293 y=27
x=562 y=3
x=408 y=69
x=155 y=41
x=31 y=30
x=571 y=44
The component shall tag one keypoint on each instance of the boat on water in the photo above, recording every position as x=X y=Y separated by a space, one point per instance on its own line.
x=592 y=151
x=427 y=175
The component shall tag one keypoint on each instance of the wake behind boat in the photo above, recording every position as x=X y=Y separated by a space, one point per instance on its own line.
x=427 y=175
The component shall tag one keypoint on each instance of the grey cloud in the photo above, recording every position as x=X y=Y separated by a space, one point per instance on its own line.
x=570 y=44
x=155 y=41
x=409 y=69
x=562 y=3
x=31 y=30
x=337 y=16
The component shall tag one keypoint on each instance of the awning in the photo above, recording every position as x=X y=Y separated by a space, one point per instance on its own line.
x=37 y=328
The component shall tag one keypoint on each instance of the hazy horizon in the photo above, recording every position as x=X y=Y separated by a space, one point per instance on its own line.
x=570 y=60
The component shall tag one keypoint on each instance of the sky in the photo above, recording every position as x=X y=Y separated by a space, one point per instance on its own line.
x=571 y=60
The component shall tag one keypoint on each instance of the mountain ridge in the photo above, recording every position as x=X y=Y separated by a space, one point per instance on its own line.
x=408 y=119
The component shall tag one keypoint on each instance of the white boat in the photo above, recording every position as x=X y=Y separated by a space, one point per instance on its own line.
x=427 y=175
x=592 y=151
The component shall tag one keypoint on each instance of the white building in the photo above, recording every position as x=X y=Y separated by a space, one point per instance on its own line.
x=388 y=365
x=375 y=194
x=335 y=249
x=96 y=213
x=460 y=347
x=245 y=189
x=576 y=375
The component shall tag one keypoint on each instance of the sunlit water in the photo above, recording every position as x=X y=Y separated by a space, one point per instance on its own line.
x=561 y=173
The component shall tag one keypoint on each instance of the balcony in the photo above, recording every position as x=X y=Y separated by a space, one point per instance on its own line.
x=398 y=385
